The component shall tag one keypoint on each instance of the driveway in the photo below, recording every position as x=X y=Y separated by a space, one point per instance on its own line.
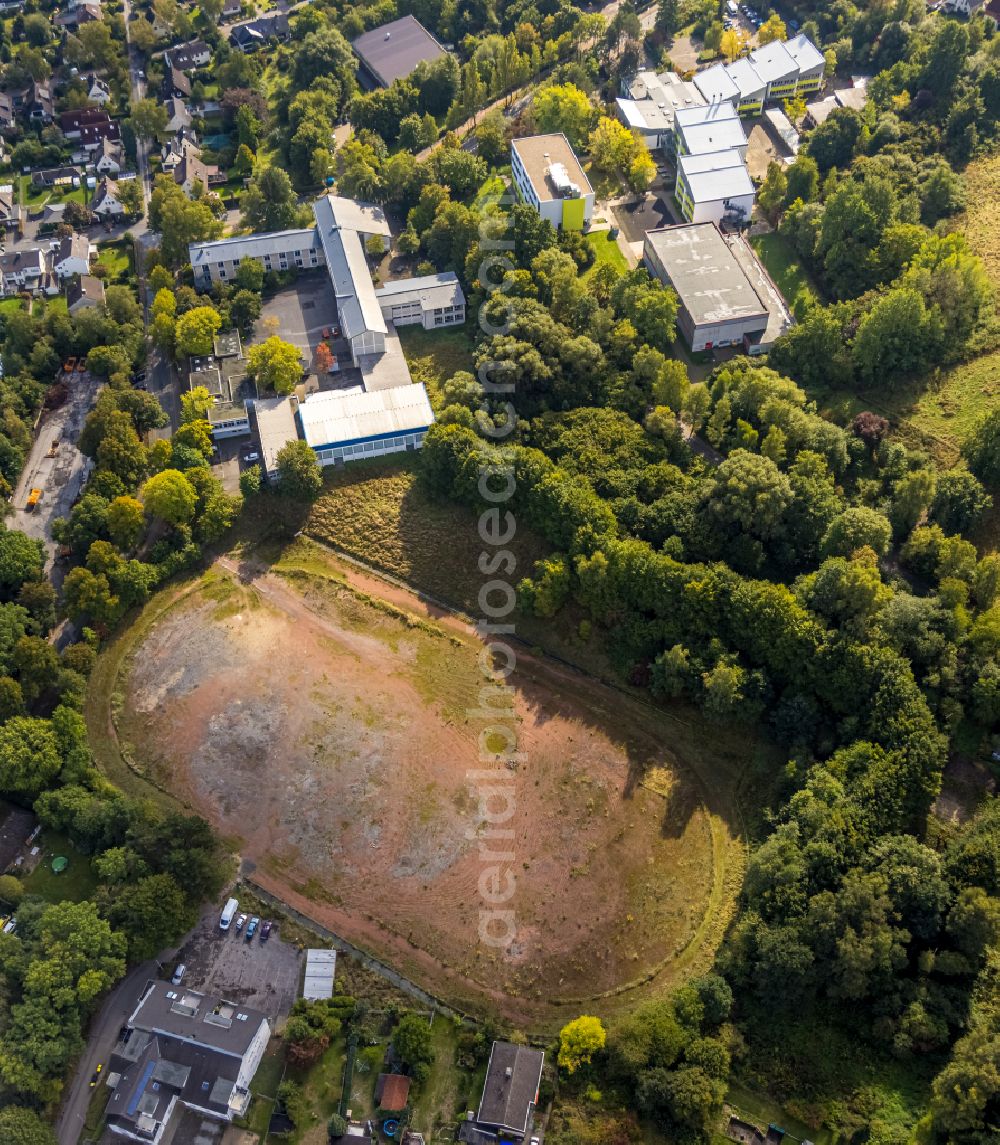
x=61 y=476
x=102 y=1036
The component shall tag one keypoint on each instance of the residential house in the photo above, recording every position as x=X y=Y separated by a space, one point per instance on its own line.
x=88 y=126
x=191 y=171
x=26 y=270
x=56 y=177
x=176 y=84
x=391 y=51
x=72 y=256
x=33 y=103
x=84 y=293
x=98 y=90
x=510 y=1093
x=548 y=176
x=181 y=1050
x=231 y=10
x=253 y=34
x=73 y=18
x=174 y=152
x=10 y=212
x=105 y=202
x=109 y=158
x=178 y=116
x=188 y=57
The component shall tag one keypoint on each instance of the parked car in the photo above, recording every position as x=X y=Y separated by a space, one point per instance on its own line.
x=70 y=365
x=10 y=926
x=252 y=927
x=178 y=975
x=241 y=922
x=250 y=455
x=96 y=1075
x=265 y=930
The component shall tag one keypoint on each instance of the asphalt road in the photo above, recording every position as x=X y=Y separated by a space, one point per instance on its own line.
x=101 y=1039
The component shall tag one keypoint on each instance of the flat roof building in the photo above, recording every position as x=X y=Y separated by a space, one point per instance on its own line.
x=344 y=425
x=714 y=188
x=273 y=423
x=321 y=968
x=649 y=102
x=726 y=297
x=392 y=51
x=433 y=300
x=218 y=261
x=771 y=73
x=549 y=177
x=182 y=1048
x=709 y=128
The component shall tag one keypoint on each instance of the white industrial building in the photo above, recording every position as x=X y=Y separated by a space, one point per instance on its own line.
x=386 y=412
x=432 y=301
x=774 y=72
x=344 y=425
x=549 y=177
x=710 y=128
x=649 y=102
x=726 y=297
x=715 y=188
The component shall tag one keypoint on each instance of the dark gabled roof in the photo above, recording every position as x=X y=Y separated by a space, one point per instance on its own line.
x=392 y=51
x=511 y=1086
x=85 y=287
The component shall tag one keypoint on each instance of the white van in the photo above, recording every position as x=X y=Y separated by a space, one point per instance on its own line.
x=228 y=914
x=732 y=8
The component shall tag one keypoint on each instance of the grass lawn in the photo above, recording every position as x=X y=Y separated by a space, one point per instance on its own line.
x=606 y=249
x=75 y=884
x=435 y=355
x=449 y=1090
x=11 y=305
x=116 y=258
x=782 y=264
x=981 y=222
x=607 y=185
x=378 y=512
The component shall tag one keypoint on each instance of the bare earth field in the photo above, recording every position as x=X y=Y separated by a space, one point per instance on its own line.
x=320 y=719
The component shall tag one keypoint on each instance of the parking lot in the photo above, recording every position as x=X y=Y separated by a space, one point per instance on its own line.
x=300 y=313
x=264 y=975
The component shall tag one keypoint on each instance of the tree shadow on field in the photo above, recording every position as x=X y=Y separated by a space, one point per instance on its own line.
x=659 y=748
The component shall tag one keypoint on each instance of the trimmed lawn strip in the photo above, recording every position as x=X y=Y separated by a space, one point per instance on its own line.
x=606 y=250
x=782 y=264
x=435 y=356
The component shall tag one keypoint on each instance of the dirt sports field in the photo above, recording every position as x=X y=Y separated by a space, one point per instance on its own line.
x=319 y=717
